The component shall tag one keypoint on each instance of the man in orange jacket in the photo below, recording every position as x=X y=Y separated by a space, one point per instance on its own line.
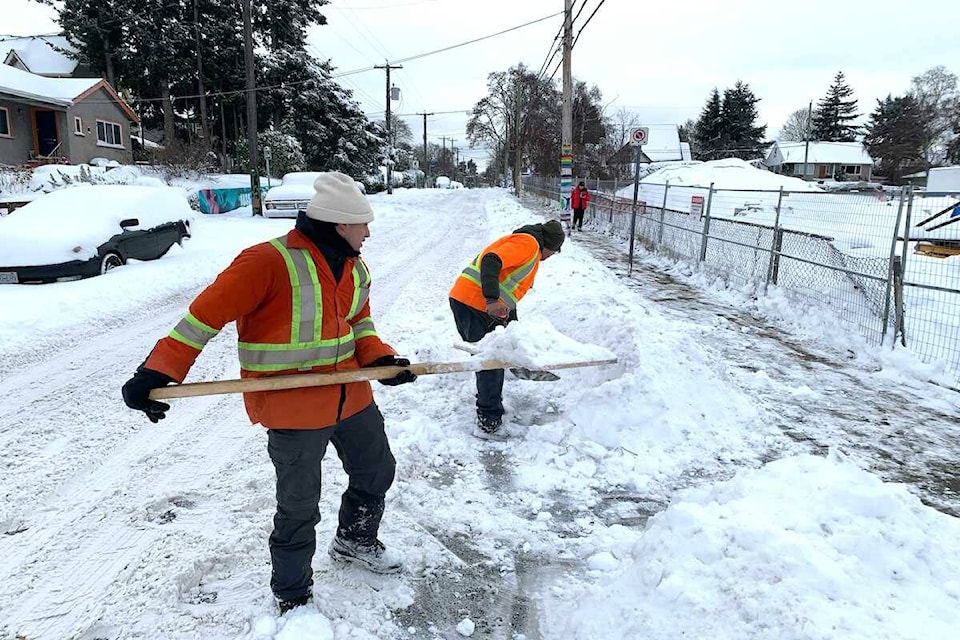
x=485 y=296
x=301 y=304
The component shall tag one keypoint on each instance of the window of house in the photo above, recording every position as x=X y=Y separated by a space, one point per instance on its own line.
x=852 y=169
x=78 y=126
x=109 y=134
x=5 y=122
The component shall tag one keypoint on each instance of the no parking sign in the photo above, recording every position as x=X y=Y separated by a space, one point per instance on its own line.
x=639 y=136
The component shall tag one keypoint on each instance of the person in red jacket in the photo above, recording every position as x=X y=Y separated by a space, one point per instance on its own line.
x=301 y=305
x=579 y=200
x=485 y=295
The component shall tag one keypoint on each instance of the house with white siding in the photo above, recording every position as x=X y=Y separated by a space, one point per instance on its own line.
x=840 y=161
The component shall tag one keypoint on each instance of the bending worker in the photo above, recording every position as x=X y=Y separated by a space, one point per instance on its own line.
x=485 y=296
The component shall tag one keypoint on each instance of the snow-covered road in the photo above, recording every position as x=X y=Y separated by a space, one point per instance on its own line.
x=117 y=528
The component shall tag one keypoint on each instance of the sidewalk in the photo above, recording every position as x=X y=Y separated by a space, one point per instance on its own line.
x=904 y=431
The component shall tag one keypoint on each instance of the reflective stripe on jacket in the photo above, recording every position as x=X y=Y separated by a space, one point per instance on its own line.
x=520 y=255
x=291 y=316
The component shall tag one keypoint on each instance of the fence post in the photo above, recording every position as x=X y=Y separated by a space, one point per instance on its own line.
x=898 y=284
x=774 y=266
x=663 y=211
x=613 y=200
x=893 y=264
x=706 y=225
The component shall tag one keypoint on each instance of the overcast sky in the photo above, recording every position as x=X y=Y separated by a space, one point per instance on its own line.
x=659 y=59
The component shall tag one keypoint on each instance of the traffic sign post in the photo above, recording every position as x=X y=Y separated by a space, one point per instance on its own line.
x=638 y=138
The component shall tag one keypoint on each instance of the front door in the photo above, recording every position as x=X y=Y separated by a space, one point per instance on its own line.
x=47 y=133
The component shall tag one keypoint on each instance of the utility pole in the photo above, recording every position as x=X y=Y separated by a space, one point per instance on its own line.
x=506 y=148
x=454 y=168
x=251 y=110
x=425 y=164
x=387 y=66
x=443 y=154
x=806 y=137
x=204 y=124
x=566 y=139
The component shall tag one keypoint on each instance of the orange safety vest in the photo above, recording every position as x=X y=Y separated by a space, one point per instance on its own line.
x=520 y=255
x=291 y=317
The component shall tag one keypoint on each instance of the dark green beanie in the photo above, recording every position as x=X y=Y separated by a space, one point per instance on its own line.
x=553 y=235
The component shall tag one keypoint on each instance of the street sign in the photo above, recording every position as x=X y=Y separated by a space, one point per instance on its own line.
x=696 y=206
x=639 y=136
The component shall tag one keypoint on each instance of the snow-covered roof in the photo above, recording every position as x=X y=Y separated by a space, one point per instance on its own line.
x=60 y=91
x=663 y=143
x=822 y=152
x=42 y=55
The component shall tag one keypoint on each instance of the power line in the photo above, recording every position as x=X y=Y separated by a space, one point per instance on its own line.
x=586 y=23
x=492 y=35
x=292 y=83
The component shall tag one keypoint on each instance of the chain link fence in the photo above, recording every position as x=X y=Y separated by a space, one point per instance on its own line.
x=889 y=266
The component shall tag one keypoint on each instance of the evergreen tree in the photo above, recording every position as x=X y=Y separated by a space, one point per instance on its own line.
x=708 y=131
x=896 y=135
x=98 y=30
x=833 y=118
x=738 y=118
x=334 y=132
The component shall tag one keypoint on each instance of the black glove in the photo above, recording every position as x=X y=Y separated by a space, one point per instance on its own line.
x=136 y=393
x=401 y=378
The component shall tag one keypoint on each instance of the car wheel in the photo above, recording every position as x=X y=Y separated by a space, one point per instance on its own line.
x=110 y=261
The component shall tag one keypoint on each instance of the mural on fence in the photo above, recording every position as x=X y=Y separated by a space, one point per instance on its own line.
x=223 y=200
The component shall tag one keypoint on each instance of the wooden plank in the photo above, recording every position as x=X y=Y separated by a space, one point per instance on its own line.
x=276 y=383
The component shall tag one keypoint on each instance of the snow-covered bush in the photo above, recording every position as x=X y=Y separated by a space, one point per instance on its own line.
x=286 y=154
x=14 y=180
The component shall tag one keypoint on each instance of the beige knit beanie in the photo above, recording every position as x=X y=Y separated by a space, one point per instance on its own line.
x=337 y=199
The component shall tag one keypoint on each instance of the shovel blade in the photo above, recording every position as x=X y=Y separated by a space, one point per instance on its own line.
x=533 y=374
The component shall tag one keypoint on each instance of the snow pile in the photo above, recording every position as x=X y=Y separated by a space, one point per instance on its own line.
x=536 y=343
x=69 y=224
x=50 y=177
x=728 y=173
x=692 y=180
x=804 y=547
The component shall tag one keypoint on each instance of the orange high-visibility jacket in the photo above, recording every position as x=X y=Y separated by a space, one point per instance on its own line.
x=520 y=255
x=284 y=327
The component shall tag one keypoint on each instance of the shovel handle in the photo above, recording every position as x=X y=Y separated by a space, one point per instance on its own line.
x=300 y=380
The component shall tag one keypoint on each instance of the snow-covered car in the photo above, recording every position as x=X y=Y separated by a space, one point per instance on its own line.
x=443 y=182
x=86 y=231
x=293 y=194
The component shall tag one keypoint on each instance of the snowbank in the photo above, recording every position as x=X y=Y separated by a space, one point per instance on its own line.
x=728 y=173
x=693 y=179
x=804 y=547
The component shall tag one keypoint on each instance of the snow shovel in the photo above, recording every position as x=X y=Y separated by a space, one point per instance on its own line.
x=276 y=383
x=521 y=373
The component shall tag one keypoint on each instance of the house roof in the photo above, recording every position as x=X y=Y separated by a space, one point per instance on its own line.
x=627 y=154
x=63 y=92
x=819 y=152
x=43 y=55
x=663 y=143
